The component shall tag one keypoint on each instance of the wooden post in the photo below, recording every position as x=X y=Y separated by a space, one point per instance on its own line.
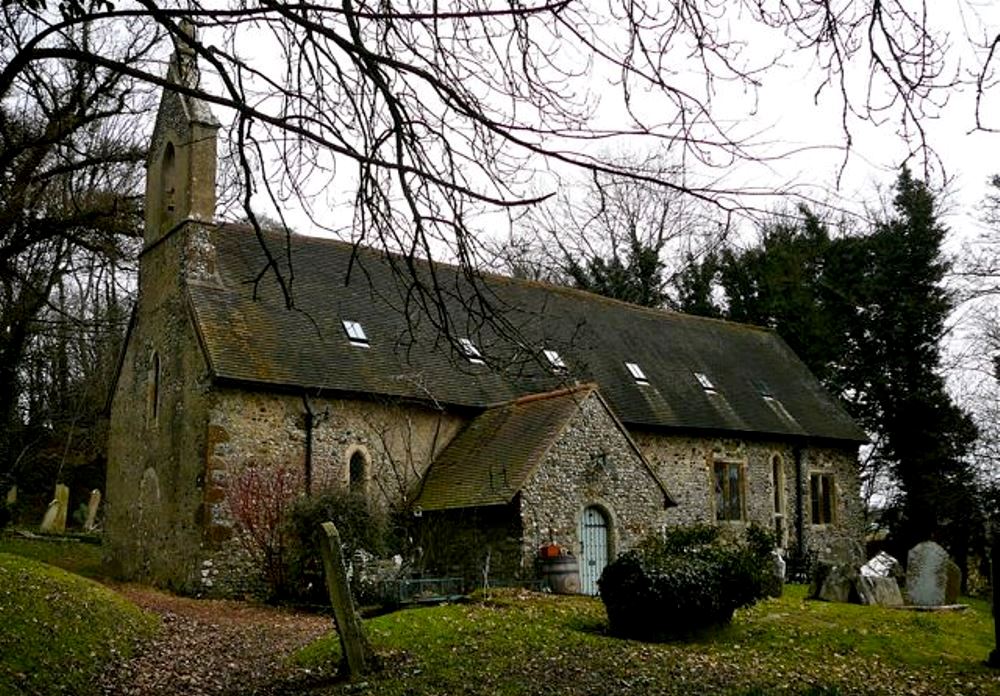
x=994 y=659
x=357 y=657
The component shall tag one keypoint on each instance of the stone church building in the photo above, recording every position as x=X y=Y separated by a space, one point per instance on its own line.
x=545 y=415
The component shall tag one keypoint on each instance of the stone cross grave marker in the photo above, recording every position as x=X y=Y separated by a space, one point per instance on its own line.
x=932 y=578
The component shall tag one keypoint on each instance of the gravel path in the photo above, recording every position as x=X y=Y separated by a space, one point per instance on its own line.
x=213 y=647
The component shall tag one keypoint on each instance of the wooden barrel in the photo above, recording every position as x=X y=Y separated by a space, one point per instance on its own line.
x=562 y=574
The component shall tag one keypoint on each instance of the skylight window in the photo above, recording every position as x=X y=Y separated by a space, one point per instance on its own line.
x=555 y=359
x=704 y=381
x=355 y=334
x=637 y=374
x=470 y=351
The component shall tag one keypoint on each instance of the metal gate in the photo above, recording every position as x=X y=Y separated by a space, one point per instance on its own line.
x=594 y=548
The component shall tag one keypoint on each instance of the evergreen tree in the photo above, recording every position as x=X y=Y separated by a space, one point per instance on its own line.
x=866 y=312
x=636 y=278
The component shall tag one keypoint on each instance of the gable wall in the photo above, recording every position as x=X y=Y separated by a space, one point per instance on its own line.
x=565 y=483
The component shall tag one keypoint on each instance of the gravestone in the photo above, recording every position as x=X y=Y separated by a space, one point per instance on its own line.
x=877 y=590
x=92 y=506
x=835 y=576
x=879 y=581
x=54 y=520
x=882 y=565
x=775 y=580
x=357 y=657
x=12 y=496
x=932 y=578
x=834 y=583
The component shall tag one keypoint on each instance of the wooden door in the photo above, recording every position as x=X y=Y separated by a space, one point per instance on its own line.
x=594 y=548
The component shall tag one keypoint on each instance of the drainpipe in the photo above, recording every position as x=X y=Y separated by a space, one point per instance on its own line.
x=799 y=503
x=308 y=418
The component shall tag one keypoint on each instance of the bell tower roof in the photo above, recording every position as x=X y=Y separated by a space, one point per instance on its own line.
x=181 y=164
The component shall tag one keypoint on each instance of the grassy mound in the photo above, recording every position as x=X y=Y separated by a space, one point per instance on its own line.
x=58 y=630
x=526 y=644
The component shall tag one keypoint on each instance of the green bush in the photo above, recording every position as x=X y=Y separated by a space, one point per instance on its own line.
x=362 y=528
x=688 y=580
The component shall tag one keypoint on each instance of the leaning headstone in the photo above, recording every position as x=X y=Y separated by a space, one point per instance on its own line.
x=92 y=505
x=882 y=565
x=357 y=656
x=929 y=572
x=834 y=583
x=54 y=520
x=876 y=590
x=49 y=518
x=835 y=575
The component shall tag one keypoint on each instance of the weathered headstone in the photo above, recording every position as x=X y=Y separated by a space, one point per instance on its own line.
x=835 y=575
x=879 y=590
x=92 y=506
x=835 y=583
x=882 y=565
x=932 y=579
x=775 y=580
x=358 y=658
x=55 y=515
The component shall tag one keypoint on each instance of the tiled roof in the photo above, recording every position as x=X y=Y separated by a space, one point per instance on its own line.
x=491 y=459
x=250 y=336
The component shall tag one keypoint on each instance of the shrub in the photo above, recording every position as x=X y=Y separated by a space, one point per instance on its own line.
x=688 y=580
x=259 y=498
x=363 y=529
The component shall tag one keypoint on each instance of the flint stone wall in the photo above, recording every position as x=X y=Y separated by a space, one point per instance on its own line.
x=551 y=504
x=568 y=481
x=258 y=429
x=686 y=465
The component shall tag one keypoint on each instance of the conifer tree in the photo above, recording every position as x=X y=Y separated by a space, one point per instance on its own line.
x=867 y=312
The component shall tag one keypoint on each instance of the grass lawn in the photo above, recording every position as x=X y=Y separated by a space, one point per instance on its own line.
x=59 y=630
x=523 y=643
x=75 y=556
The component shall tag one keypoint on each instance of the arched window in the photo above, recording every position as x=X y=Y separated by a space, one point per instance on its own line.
x=153 y=388
x=358 y=473
x=169 y=181
x=778 y=486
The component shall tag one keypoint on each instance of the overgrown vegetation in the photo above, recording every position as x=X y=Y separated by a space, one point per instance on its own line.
x=684 y=581
x=364 y=531
x=58 y=631
x=515 y=643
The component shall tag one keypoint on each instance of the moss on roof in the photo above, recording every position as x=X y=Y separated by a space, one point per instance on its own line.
x=251 y=336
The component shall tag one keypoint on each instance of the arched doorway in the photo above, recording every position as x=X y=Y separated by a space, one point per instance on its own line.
x=593 y=548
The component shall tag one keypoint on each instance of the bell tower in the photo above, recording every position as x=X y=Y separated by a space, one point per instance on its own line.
x=181 y=164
